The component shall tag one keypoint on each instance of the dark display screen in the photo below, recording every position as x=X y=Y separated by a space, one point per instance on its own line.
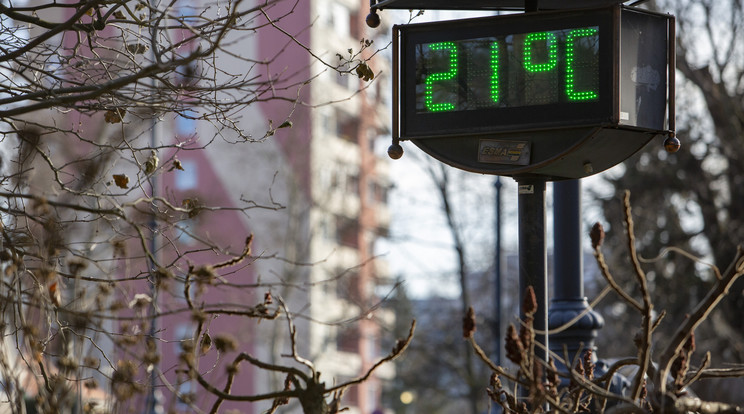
x=508 y=71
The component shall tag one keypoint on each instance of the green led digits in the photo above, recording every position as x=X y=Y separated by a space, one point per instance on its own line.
x=571 y=41
x=495 y=72
x=440 y=76
x=509 y=70
x=529 y=45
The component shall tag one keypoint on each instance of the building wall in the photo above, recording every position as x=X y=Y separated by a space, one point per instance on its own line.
x=349 y=199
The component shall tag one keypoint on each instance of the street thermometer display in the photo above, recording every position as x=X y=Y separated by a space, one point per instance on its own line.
x=561 y=94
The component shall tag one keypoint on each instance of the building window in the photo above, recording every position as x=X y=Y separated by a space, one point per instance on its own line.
x=383 y=231
x=341 y=177
x=336 y=179
x=354 y=26
x=352 y=183
x=351 y=395
x=347 y=127
x=377 y=192
x=347 y=232
x=347 y=286
x=185 y=127
x=183 y=332
x=347 y=339
x=186 y=232
x=185 y=396
x=187 y=179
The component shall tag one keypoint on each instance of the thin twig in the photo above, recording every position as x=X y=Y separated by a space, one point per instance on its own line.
x=605 y=271
x=644 y=349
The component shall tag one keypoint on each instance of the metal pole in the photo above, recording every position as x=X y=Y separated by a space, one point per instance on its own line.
x=567 y=240
x=497 y=274
x=569 y=301
x=533 y=254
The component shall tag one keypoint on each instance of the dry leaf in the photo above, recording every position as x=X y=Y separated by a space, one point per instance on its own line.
x=365 y=72
x=176 y=165
x=54 y=294
x=137 y=48
x=205 y=344
x=121 y=180
x=114 y=116
x=151 y=164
